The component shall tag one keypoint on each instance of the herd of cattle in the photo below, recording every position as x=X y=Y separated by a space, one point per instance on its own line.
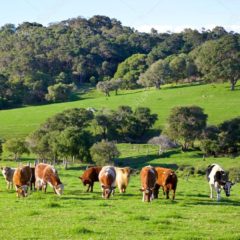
x=152 y=179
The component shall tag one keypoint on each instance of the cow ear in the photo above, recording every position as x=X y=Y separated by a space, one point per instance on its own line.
x=80 y=178
x=141 y=190
x=233 y=183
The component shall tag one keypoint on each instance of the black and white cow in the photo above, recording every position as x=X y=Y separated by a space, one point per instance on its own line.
x=218 y=179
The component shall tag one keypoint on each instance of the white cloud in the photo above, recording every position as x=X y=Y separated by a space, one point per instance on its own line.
x=165 y=28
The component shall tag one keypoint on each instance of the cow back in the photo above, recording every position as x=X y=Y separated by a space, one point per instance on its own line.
x=148 y=177
x=91 y=174
x=107 y=176
x=166 y=176
x=22 y=176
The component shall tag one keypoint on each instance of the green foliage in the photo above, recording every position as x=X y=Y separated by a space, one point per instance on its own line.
x=16 y=147
x=64 y=135
x=185 y=124
x=104 y=152
x=156 y=75
x=59 y=92
x=219 y=60
x=130 y=70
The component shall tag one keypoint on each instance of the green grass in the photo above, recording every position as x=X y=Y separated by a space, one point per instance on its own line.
x=217 y=100
x=80 y=215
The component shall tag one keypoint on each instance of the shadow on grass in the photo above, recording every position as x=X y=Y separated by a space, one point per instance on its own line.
x=186 y=85
x=143 y=160
x=214 y=202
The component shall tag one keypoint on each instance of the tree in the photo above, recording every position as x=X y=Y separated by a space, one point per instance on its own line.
x=163 y=142
x=64 y=135
x=105 y=87
x=219 y=60
x=104 y=152
x=59 y=92
x=209 y=141
x=185 y=124
x=157 y=74
x=15 y=146
x=130 y=69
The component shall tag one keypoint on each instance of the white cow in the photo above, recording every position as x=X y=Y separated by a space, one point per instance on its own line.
x=218 y=179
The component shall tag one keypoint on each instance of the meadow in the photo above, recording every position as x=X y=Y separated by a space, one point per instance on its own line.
x=80 y=215
x=216 y=99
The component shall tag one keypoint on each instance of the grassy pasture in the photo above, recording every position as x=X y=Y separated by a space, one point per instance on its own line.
x=81 y=215
x=217 y=100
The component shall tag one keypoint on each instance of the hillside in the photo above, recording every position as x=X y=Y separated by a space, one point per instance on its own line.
x=217 y=100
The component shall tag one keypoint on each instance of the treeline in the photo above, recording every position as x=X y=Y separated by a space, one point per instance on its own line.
x=45 y=64
x=71 y=134
x=90 y=135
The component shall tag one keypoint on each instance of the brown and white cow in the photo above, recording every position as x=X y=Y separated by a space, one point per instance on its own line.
x=90 y=176
x=7 y=173
x=167 y=179
x=47 y=174
x=107 y=178
x=148 y=176
x=122 y=178
x=21 y=180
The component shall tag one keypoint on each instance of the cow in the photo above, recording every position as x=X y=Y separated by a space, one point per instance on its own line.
x=7 y=173
x=122 y=178
x=167 y=179
x=148 y=176
x=90 y=176
x=107 y=178
x=218 y=179
x=21 y=180
x=47 y=174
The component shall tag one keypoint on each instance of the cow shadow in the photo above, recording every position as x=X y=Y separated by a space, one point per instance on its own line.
x=214 y=202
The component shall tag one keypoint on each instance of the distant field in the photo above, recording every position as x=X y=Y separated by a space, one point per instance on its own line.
x=80 y=215
x=217 y=100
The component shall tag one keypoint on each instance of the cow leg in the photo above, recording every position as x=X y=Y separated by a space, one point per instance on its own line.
x=211 y=190
x=156 y=191
x=88 y=187
x=143 y=197
x=92 y=186
x=218 y=193
x=167 y=194
x=173 y=196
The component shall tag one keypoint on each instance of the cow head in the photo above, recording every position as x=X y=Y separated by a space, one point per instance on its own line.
x=147 y=194
x=84 y=181
x=59 y=189
x=227 y=187
x=106 y=191
x=5 y=171
x=22 y=191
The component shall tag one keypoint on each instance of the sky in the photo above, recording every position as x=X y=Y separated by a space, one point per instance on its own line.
x=163 y=15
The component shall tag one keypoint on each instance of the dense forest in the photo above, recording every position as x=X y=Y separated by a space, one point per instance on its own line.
x=41 y=64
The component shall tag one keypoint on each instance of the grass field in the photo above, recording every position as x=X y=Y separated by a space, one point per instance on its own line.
x=217 y=100
x=80 y=215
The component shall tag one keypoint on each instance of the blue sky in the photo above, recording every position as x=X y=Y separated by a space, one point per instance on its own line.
x=173 y=15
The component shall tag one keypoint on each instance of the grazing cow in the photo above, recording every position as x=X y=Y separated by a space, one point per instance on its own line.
x=122 y=178
x=7 y=173
x=148 y=177
x=218 y=179
x=90 y=176
x=107 y=178
x=47 y=174
x=21 y=180
x=167 y=179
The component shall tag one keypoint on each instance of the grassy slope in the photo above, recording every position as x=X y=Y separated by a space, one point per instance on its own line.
x=218 y=102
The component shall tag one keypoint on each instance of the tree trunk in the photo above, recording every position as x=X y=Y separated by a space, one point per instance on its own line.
x=233 y=84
